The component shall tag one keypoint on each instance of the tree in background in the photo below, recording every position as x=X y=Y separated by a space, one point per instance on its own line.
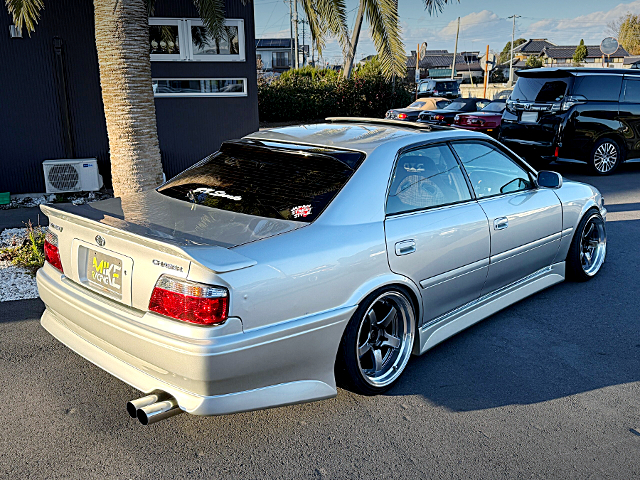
x=627 y=30
x=534 y=62
x=581 y=53
x=384 y=29
x=505 y=55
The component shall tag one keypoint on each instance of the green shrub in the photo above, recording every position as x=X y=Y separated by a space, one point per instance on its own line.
x=312 y=93
x=27 y=250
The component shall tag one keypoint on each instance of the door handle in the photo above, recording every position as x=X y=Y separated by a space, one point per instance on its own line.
x=405 y=247
x=500 y=223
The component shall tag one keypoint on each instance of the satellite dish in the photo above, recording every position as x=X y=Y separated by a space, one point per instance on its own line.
x=489 y=61
x=609 y=46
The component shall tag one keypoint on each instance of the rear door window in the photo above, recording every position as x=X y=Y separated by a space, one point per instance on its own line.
x=291 y=182
x=604 y=88
x=537 y=89
x=424 y=178
x=631 y=91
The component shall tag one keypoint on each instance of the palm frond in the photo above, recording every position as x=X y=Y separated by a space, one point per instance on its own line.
x=212 y=14
x=436 y=6
x=384 y=28
x=25 y=13
x=326 y=17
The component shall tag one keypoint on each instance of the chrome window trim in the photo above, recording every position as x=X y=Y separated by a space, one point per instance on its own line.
x=202 y=94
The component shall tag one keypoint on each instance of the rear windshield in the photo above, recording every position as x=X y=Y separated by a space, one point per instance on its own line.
x=292 y=182
x=455 y=106
x=495 y=107
x=538 y=89
x=447 y=86
x=442 y=103
x=416 y=105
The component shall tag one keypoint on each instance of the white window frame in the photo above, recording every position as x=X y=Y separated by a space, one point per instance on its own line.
x=186 y=44
x=193 y=22
x=203 y=94
x=183 y=45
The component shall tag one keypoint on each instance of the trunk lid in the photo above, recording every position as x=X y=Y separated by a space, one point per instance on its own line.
x=140 y=237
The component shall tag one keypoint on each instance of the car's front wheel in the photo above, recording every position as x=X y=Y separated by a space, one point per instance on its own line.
x=377 y=342
x=606 y=156
x=588 y=248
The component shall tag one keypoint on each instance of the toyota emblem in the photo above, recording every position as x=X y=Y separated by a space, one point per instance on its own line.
x=100 y=241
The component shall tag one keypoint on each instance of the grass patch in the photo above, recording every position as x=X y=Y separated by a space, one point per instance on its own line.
x=27 y=249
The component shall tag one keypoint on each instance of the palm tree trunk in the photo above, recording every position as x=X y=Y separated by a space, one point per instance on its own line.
x=122 y=41
x=348 y=61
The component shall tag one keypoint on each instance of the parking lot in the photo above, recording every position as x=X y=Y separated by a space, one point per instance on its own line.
x=547 y=387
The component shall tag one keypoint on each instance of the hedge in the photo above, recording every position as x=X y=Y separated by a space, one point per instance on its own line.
x=311 y=93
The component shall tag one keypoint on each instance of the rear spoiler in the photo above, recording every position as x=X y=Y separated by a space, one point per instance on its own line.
x=215 y=258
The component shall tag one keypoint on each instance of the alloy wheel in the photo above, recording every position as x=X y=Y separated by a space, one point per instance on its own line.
x=593 y=245
x=385 y=339
x=605 y=157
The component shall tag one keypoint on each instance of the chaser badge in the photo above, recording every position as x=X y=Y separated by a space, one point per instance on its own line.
x=301 y=211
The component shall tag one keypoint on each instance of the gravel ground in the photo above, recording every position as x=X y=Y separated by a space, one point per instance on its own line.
x=15 y=283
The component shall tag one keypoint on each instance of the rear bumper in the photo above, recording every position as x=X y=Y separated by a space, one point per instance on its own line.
x=221 y=370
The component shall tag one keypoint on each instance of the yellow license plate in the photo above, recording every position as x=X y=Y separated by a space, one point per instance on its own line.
x=104 y=273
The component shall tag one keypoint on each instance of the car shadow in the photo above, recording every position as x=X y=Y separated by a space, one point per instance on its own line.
x=568 y=339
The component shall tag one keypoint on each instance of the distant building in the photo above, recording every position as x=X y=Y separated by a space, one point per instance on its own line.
x=437 y=64
x=558 y=56
x=275 y=54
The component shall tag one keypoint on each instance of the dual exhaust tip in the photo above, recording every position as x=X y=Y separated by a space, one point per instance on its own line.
x=153 y=408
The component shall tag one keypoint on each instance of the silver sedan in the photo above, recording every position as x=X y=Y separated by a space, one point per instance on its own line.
x=301 y=256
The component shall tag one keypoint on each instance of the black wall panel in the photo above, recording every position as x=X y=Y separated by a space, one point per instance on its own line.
x=31 y=127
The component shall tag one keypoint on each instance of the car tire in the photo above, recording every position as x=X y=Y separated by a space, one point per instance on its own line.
x=588 y=248
x=606 y=156
x=377 y=342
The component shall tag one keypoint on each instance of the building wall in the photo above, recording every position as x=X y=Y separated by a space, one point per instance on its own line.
x=31 y=129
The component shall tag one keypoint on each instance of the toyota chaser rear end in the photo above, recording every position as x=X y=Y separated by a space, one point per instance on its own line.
x=166 y=290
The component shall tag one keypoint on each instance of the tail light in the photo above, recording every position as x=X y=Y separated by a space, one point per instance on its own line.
x=439 y=117
x=51 y=252
x=571 y=100
x=457 y=120
x=189 y=301
x=402 y=116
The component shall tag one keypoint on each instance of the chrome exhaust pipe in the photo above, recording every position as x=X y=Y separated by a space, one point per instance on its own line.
x=134 y=405
x=158 y=411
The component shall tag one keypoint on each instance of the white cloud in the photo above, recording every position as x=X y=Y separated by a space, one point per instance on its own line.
x=592 y=27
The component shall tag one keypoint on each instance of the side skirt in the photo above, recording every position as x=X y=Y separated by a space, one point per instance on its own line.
x=447 y=325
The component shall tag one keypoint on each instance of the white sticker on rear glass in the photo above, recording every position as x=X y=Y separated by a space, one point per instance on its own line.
x=301 y=211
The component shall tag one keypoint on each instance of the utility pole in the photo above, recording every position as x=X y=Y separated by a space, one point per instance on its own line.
x=291 y=35
x=295 y=27
x=513 y=33
x=455 y=52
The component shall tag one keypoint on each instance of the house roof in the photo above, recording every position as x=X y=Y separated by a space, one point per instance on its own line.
x=593 y=51
x=534 y=45
x=273 y=43
x=445 y=60
x=631 y=59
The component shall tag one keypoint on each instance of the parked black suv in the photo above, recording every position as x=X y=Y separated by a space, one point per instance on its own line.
x=438 y=88
x=589 y=114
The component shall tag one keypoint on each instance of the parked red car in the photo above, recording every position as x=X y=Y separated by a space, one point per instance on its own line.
x=486 y=120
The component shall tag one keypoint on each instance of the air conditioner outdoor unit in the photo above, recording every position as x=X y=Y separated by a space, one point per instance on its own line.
x=76 y=175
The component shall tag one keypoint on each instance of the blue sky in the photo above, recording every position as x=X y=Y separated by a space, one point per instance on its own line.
x=563 y=22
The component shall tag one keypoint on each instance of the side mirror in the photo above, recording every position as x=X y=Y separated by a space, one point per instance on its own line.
x=549 y=179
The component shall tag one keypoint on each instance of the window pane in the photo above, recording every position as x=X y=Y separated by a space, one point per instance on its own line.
x=490 y=171
x=536 y=89
x=164 y=39
x=198 y=86
x=205 y=44
x=632 y=91
x=280 y=59
x=598 y=87
x=428 y=177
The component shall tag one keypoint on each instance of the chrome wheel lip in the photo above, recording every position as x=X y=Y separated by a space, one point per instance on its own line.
x=392 y=360
x=593 y=245
x=605 y=157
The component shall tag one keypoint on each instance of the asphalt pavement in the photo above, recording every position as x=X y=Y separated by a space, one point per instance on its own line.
x=548 y=388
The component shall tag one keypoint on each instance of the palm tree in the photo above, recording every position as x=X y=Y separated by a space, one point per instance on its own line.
x=122 y=42
x=382 y=16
